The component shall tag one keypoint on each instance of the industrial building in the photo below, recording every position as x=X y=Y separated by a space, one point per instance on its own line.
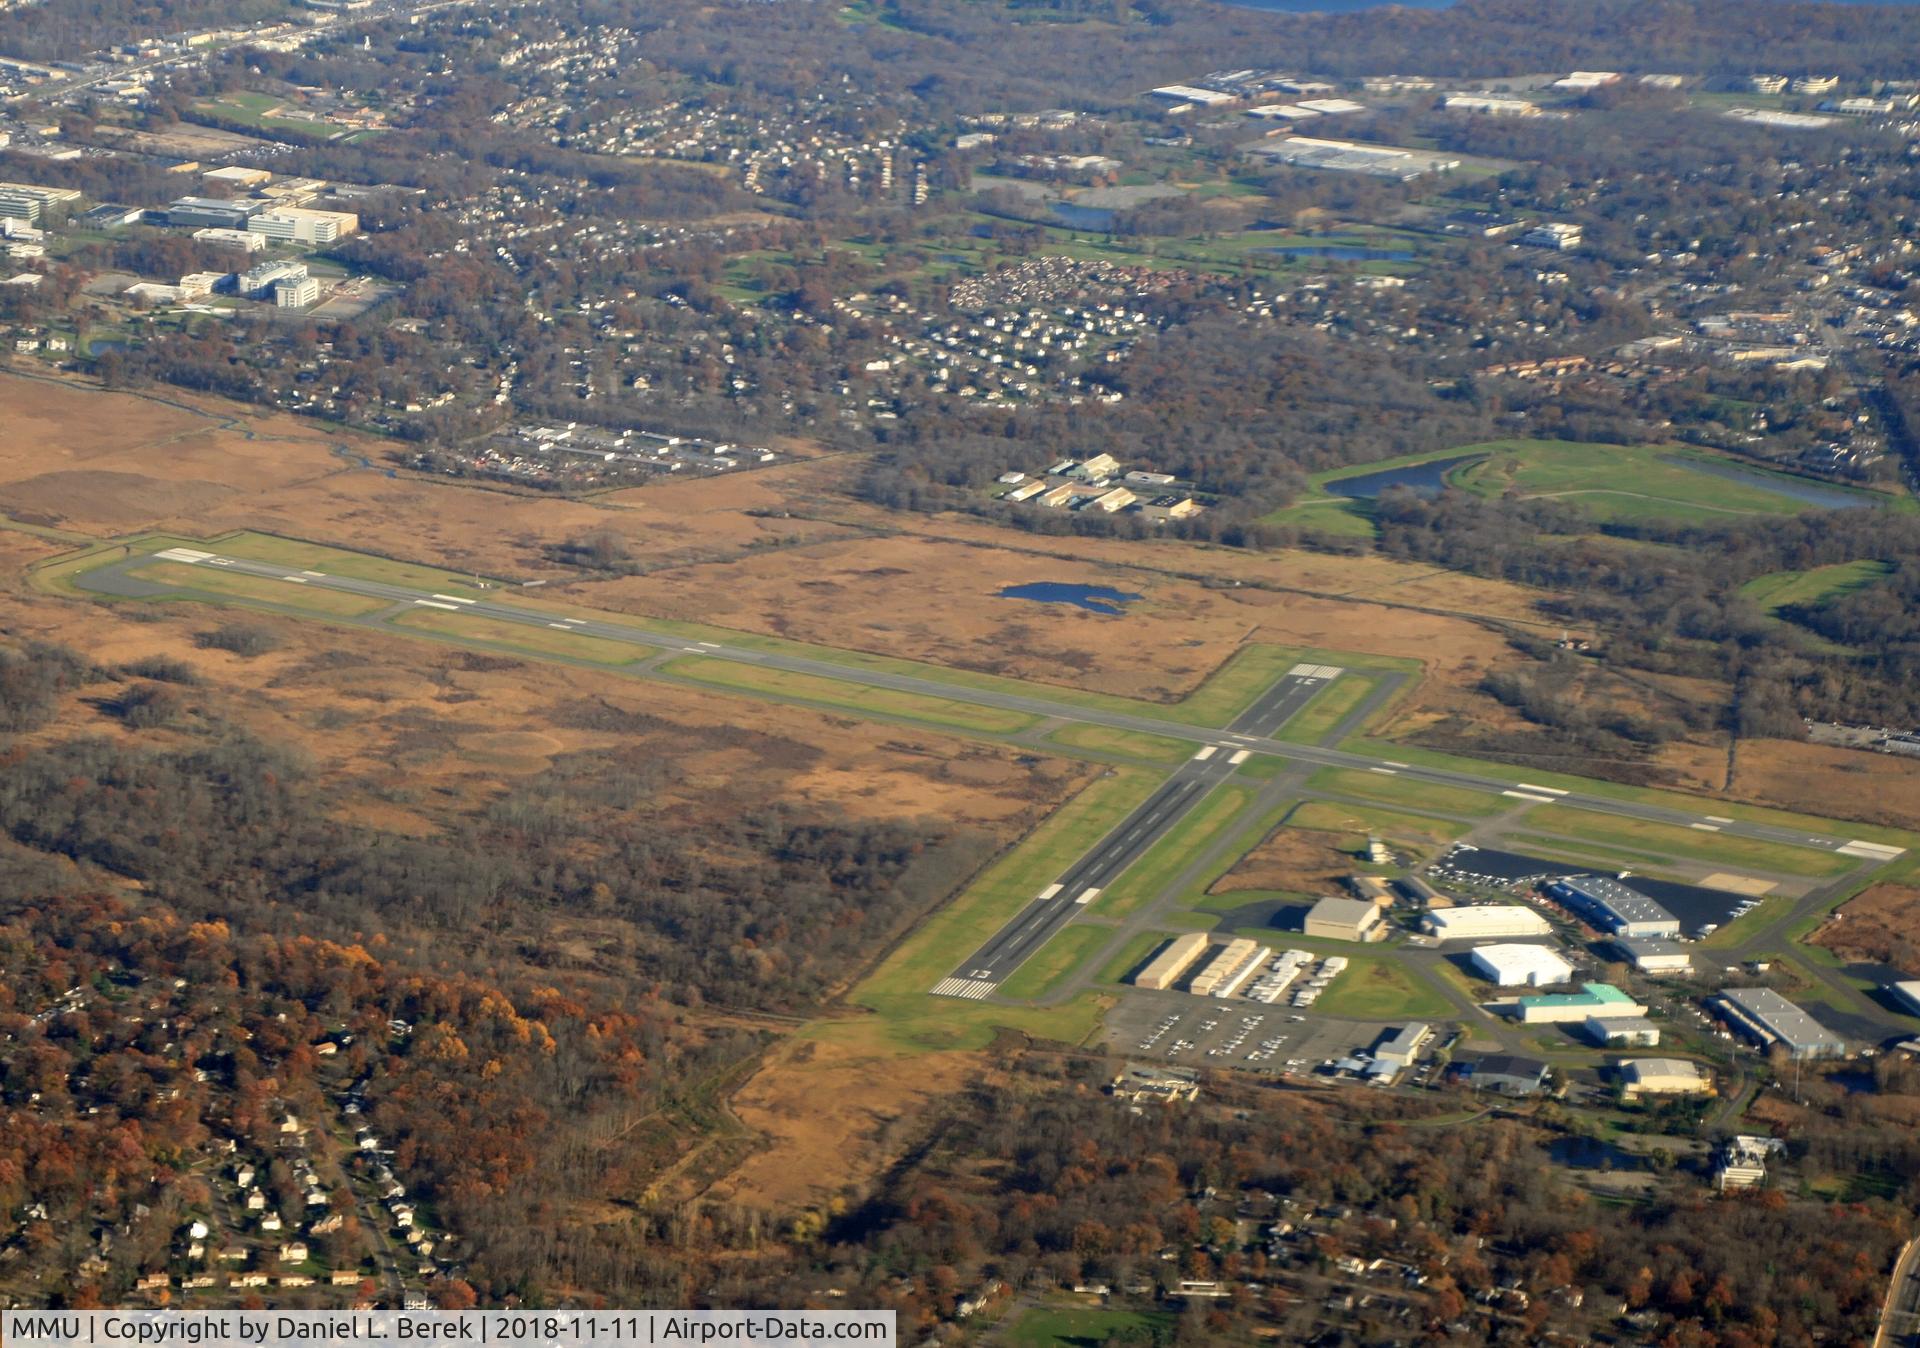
x=1489 y=105
x=1514 y=965
x=1663 y=1076
x=1593 y=999
x=1402 y=1048
x=1560 y=238
x=1509 y=1074
x=1651 y=955
x=231 y=238
x=1622 y=1031
x=1342 y=156
x=212 y=213
x=1165 y=968
x=294 y=224
x=1370 y=888
x=1417 y=890
x=1907 y=995
x=1616 y=908
x=1770 y=1019
x=1228 y=969
x=238 y=175
x=1343 y=920
x=1487 y=921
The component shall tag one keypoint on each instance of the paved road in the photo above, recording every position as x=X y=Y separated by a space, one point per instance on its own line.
x=1256 y=738
x=1900 y=1320
x=980 y=974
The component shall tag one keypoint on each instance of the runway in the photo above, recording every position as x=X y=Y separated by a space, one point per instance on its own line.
x=1252 y=732
x=1077 y=889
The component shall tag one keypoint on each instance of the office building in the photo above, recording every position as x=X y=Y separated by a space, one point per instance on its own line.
x=295 y=292
x=293 y=224
x=212 y=213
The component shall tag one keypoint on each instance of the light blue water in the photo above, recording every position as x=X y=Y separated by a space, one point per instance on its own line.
x=1816 y=494
x=1094 y=598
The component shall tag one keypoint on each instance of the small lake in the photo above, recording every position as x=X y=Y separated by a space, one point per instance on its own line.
x=1425 y=479
x=1340 y=252
x=1816 y=494
x=1093 y=598
x=1082 y=217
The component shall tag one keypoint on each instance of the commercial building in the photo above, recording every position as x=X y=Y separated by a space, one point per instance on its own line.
x=1370 y=888
x=1403 y=1047
x=258 y=282
x=1593 y=999
x=1651 y=955
x=1770 y=1019
x=295 y=224
x=1342 y=156
x=1187 y=95
x=1343 y=920
x=231 y=238
x=1615 y=908
x=1513 y=964
x=1115 y=499
x=1622 y=1031
x=238 y=175
x=295 y=292
x=1509 y=1074
x=1907 y=994
x=1663 y=1076
x=1226 y=971
x=1560 y=238
x=25 y=201
x=1026 y=491
x=1095 y=469
x=1489 y=106
x=1742 y=1163
x=1481 y=922
x=212 y=213
x=1165 y=968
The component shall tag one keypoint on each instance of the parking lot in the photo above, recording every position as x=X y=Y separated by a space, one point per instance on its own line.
x=1179 y=1030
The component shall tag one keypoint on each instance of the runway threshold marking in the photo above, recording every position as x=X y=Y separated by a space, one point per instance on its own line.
x=1522 y=795
x=1204 y=753
x=453 y=599
x=295 y=580
x=1049 y=891
x=1542 y=790
x=1087 y=896
x=1705 y=828
x=428 y=603
x=1240 y=756
x=1386 y=772
x=187 y=555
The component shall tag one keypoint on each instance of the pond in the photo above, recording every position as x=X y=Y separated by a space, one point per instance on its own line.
x=1341 y=252
x=1082 y=217
x=1426 y=479
x=1094 y=598
x=1816 y=494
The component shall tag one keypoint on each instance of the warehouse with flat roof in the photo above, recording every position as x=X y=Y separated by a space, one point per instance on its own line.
x=1663 y=1076
x=1484 y=921
x=1593 y=999
x=1769 y=1019
x=1343 y=920
x=1618 y=909
x=1175 y=957
x=1652 y=955
x=1518 y=965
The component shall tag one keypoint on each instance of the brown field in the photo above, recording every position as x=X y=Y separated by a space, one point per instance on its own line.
x=1880 y=926
x=830 y=1117
x=1823 y=779
x=108 y=463
x=1299 y=861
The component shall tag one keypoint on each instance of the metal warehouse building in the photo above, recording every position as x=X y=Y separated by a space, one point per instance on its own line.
x=1514 y=965
x=1343 y=919
x=1663 y=1076
x=1164 y=970
x=1484 y=922
x=1619 y=909
x=1593 y=999
x=1650 y=955
x=1771 y=1019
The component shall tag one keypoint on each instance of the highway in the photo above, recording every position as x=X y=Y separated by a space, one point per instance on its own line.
x=1253 y=732
x=981 y=974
